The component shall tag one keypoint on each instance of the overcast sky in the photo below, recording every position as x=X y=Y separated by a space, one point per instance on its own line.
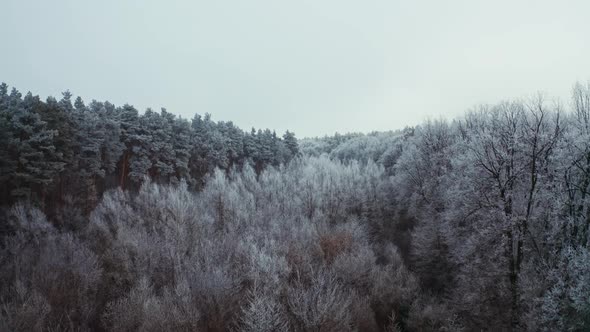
x=311 y=66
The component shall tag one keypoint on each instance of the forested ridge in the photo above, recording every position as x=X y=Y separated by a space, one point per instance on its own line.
x=114 y=220
x=58 y=150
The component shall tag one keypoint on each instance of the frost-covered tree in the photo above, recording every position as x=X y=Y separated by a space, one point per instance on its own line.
x=156 y=223
x=291 y=143
x=31 y=148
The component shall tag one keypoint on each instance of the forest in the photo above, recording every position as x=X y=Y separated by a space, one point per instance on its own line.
x=113 y=219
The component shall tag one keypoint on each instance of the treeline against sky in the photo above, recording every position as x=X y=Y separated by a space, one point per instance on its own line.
x=480 y=223
x=53 y=152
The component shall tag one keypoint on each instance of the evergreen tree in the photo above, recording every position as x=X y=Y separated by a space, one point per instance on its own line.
x=158 y=136
x=291 y=143
x=91 y=136
x=8 y=155
x=112 y=146
x=181 y=131
x=129 y=123
x=31 y=144
x=140 y=161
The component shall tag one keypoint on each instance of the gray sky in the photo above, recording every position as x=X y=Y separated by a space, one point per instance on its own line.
x=311 y=66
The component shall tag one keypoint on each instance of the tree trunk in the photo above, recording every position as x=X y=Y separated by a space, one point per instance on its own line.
x=123 y=171
x=513 y=276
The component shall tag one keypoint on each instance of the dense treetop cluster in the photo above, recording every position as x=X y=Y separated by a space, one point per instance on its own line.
x=54 y=149
x=125 y=222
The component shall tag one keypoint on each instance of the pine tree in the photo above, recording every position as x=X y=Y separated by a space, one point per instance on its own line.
x=31 y=144
x=250 y=146
x=182 y=146
x=91 y=137
x=129 y=123
x=112 y=146
x=291 y=143
x=140 y=161
x=8 y=155
x=158 y=131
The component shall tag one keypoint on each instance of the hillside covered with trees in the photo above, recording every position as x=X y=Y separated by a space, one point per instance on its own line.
x=114 y=220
